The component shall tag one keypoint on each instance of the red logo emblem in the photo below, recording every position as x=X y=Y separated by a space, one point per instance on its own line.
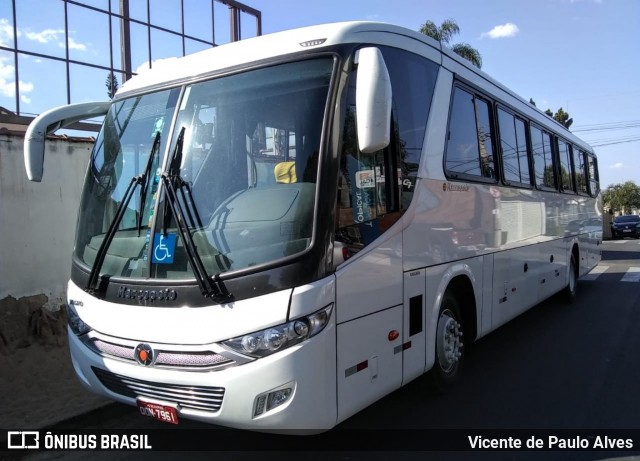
x=144 y=354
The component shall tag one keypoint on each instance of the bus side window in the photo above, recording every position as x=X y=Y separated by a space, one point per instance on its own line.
x=580 y=170
x=470 y=145
x=566 y=181
x=592 y=171
x=513 y=142
x=543 y=158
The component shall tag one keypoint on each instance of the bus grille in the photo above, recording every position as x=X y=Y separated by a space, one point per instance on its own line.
x=187 y=397
x=178 y=359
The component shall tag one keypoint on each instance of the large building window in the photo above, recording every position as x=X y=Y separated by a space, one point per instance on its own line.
x=58 y=52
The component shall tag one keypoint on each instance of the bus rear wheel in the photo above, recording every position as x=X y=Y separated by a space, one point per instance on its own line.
x=571 y=290
x=450 y=344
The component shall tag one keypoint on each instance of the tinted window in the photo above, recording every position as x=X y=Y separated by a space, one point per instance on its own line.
x=627 y=219
x=413 y=81
x=565 y=165
x=580 y=170
x=369 y=198
x=523 y=152
x=542 y=158
x=592 y=170
x=470 y=146
x=514 y=148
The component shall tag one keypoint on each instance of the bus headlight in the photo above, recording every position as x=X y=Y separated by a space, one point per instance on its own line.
x=77 y=325
x=273 y=339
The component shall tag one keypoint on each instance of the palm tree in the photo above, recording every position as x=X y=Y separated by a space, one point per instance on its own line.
x=445 y=32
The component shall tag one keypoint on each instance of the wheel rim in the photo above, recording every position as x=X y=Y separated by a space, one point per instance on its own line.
x=449 y=341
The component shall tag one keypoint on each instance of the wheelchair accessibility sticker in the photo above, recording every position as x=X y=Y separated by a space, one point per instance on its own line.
x=163 y=248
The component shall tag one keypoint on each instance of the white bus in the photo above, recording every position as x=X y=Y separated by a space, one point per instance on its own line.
x=275 y=233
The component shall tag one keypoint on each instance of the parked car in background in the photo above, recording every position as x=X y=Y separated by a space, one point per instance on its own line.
x=625 y=226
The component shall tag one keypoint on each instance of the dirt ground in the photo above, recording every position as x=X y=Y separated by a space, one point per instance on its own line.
x=38 y=386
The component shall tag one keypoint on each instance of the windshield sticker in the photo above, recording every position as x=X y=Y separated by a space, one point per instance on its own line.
x=164 y=248
x=365 y=179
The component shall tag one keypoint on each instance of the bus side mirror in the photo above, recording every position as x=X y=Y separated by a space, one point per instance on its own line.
x=373 y=101
x=47 y=123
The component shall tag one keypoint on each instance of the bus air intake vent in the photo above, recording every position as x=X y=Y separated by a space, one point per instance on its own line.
x=198 y=398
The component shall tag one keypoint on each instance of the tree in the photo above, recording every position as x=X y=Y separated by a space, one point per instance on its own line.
x=561 y=116
x=622 y=197
x=444 y=33
x=112 y=84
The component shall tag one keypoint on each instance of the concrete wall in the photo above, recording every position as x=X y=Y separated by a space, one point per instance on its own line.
x=38 y=220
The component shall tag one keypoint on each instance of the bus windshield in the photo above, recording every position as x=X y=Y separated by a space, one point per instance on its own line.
x=241 y=174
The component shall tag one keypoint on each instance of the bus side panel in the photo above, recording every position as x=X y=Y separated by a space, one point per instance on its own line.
x=369 y=360
x=414 y=334
x=553 y=257
x=515 y=287
x=372 y=280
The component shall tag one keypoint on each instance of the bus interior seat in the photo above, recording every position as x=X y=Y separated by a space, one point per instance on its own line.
x=285 y=172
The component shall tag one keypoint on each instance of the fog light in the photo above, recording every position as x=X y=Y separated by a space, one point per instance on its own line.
x=273 y=399
x=277 y=398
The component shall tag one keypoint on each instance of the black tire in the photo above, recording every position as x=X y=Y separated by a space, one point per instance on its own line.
x=571 y=290
x=450 y=344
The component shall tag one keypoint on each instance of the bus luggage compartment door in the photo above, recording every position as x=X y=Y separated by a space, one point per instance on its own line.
x=369 y=365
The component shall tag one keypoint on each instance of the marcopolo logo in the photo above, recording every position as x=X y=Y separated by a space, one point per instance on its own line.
x=147 y=295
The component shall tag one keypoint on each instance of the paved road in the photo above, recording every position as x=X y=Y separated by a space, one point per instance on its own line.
x=554 y=367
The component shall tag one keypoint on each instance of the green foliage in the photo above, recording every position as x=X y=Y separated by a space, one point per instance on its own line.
x=112 y=84
x=563 y=117
x=560 y=116
x=622 y=197
x=445 y=32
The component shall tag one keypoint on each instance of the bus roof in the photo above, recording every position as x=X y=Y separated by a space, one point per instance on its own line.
x=171 y=71
x=254 y=49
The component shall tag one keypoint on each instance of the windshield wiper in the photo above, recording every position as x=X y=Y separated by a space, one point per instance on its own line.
x=113 y=227
x=145 y=179
x=171 y=179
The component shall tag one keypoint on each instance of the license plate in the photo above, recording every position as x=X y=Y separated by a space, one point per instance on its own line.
x=164 y=413
x=627 y=230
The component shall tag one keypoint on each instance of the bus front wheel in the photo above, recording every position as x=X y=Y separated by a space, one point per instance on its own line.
x=450 y=343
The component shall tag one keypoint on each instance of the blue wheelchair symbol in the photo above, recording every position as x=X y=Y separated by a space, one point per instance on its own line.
x=163 y=248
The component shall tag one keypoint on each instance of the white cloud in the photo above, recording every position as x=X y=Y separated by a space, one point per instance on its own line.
x=502 y=31
x=6 y=32
x=617 y=165
x=45 y=36
x=57 y=36
x=73 y=45
x=8 y=84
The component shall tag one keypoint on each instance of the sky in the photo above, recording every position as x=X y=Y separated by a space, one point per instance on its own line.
x=581 y=55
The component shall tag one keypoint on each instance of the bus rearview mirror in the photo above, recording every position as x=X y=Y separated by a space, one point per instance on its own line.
x=47 y=123
x=373 y=101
